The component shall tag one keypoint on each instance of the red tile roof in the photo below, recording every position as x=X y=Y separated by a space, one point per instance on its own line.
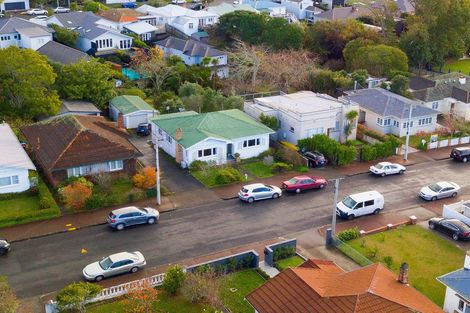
x=321 y=286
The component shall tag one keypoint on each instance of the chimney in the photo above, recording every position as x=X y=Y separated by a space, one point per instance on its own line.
x=403 y=275
x=179 y=134
x=462 y=80
x=466 y=264
x=120 y=121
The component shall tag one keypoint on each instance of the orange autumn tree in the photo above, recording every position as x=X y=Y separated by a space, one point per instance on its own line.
x=145 y=179
x=141 y=298
x=76 y=194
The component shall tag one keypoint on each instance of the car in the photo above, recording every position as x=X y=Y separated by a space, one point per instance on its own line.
x=128 y=216
x=144 y=129
x=387 y=168
x=255 y=192
x=4 y=246
x=359 y=204
x=197 y=6
x=61 y=10
x=458 y=230
x=461 y=154
x=315 y=159
x=115 y=264
x=129 y=5
x=442 y=189
x=37 y=12
x=178 y=1
x=301 y=183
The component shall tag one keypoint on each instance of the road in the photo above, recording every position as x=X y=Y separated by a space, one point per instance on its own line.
x=42 y=265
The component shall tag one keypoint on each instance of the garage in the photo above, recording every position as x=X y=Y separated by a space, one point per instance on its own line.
x=14 y=6
x=130 y=111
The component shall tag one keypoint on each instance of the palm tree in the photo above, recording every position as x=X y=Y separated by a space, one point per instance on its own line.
x=351 y=116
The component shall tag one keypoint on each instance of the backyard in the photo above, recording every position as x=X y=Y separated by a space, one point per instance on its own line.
x=462 y=66
x=428 y=255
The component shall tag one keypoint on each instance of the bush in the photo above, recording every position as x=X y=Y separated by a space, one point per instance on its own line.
x=9 y=303
x=96 y=200
x=93 y=6
x=271 y=151
x=75 y=195
x=46 y=200
x=104 y=180
x=268 y=160
x=227 y=176
x=280 y=167
x=388 y=260
x=14 y=195
x=74 y=297
x=135 y=195
x=174 y=279
x=333 y=150
x=198 y=165
x=368 y=153
x=349 y=234
x=146 y=178
x=283 y=253
x=262 y=273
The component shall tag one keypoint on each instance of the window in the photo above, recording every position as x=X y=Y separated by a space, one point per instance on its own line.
x=461 y=305
x=74 y=171
x=115 y=165
x=370 y=202
x=168 y=138
x=387 y=122
x=207 y=152
x=379 y=121
x=160 y=131
x=435 y=105
x=9 y=180
x=292 y=130
x=191 y=25
x=251 y=142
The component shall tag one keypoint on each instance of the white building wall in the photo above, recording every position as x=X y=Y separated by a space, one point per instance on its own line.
x=83 y=44
x=253 y=151
x=109 y=24
x=133 y=120
x=7 y=40
x=192 y=153
x=297 y=8
x=164 y=141
x=451 y=302
x=36 y=42
x=23 y=180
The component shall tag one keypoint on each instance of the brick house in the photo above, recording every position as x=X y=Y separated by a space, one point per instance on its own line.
x=78 y=145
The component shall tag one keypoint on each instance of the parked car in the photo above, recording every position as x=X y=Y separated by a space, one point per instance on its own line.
x=364 y=203
x=178 y=1
x=197 y=6
x=129 y=5
x=128 y=216
x=37 y=12
x=458 y=230
x=387 y=168
x=255 y=192
x=4 y=246
x=439 y=190
x=315 y=159
x=301 y=183
x=144 y=129
x=61 y=10
x=461 y=154
x=115 y=264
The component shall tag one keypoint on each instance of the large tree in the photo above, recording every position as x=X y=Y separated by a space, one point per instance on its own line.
x=248 y=26
x=416 y=43
x=26 y=80
x=279 y=34
x=64 y=35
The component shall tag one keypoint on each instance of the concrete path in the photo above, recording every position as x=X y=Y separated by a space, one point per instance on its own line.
x=271 y=271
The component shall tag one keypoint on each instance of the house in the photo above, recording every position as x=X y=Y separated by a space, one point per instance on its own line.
x=79 y=145
x=144 y=30
x=304 y=114
x=62 y=54
x=130 y=111
x=194 y=52
x=447 y=93
x=457 y=298
x=298 y=8
x=78 y=107
x=343 y=13
x=310 y=13
x=15 y=31
x=330 y=4
x=271 y=8
x=213 y=137
x=388 y=113
x=14 y=5
x=320 y=286
x=15 y=163
x=225 y=8
x=117 y=18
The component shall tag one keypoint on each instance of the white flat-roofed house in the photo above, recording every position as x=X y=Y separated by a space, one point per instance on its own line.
x=21 y=33
x=15 y=163
x=297 y=7
x=143 y=30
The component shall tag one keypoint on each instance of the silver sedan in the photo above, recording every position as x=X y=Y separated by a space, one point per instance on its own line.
x=115 y=264
x=439 y=190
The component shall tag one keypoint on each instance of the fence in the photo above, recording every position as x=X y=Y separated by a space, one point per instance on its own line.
x=270 y=250
x=351 y=253
x=449 y=142
x=246 y=259
x=251 y=96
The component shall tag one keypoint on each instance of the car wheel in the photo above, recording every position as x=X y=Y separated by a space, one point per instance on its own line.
x=433 y=198
x=3 y=251
x=296 y=191
x=454 y=195
x=275 y=196
x=376 y=211
x=119 y=226
x=401 y=172
x=431 y=225
x=151 y=220
x=383 y=174
x=351 y=216
x=464 y=160
x=322 y=186
x=135 y=269
x=455 y=236
x=99 y=278
x=251 y=200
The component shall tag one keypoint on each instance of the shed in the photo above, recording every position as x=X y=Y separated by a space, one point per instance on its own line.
x=133 y=110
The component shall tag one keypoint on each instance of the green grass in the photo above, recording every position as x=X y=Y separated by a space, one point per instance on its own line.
x=457 y=65
x=118 y=191
x=208 y=177
x=244 y=282
x=293 y=261
x=258 y=169
x=428 y=255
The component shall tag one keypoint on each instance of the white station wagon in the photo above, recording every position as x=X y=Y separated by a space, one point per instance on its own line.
x=387 y=168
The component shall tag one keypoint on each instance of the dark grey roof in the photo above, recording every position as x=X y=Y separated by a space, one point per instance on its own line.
x=190 y=47
x=90 y=30
x=76 y=19
x=452 y=85
x=63 y=54
x=12 y=24
x=419 y=83
x=405 y=6
x=342 y=13
x=386 y=103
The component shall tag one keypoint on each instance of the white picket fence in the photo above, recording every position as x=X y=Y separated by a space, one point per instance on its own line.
x=449 y=142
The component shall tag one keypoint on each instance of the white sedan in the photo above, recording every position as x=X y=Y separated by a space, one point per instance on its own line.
x=37 y=12
x=61 y=10
x=387 y=168
x=442 y=189
x=115 y=264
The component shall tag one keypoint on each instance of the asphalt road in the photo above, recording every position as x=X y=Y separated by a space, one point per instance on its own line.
x=42 y=265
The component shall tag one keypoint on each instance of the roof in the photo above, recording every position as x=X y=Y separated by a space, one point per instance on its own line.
x=75 y=19
x=140 y=28
x=78 y=106
x=125 y=210
x=320 y=286
x=33 y=31
x=172 y=10
x=224 y=125
x=130 y=104
x=263 y=4
x=459 y=281
x=13 y=155
x=314 y=9
x=62 y=54
x=366 y=194
x=386 y=103
x=225 y=8
x=343 y=13
x=119 y=15
x=444 y=184
x=75 y=140
x=15 y=24
x=419 y=83
x=190 y=47
x=451 y=85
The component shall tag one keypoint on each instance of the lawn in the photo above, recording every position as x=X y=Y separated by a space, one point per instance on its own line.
x=428 y=255
x=291 y=262
x=456 y=66
x=209 y=175
x=258 y=169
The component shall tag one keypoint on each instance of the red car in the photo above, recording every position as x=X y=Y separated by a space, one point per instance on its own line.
x=300 y=183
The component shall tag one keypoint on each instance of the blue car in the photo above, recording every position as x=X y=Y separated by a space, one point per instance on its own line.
x=128 y=216
x=144 y=129
x=129 y=5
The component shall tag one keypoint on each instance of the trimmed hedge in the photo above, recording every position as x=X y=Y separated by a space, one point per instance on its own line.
x=349 y=234
x=333 y=150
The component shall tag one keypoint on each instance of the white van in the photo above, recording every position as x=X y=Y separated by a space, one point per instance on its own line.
x=369 y=202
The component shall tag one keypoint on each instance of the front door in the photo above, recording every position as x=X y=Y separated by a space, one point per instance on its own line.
x=229 y=150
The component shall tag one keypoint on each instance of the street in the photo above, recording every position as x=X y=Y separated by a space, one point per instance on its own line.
x=46 y=264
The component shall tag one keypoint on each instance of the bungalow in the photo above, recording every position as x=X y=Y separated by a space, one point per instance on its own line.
x=14 y=5
x=15 y=31
x=79 y=145
x=297 y=7
x=343 y=13
x=193 y=52
x=388 y=113
x=225 y=8
x=271 y=8
x=117 y=18
x=130 y=111
x=457 y=298
x=62 y=54
x=143 y=30
x=14 y=163
x=213 y=137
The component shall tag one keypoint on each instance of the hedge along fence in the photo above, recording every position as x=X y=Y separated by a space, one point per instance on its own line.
x=279 y=251
x=333 y=150
x=385 y=146
x=228 y=264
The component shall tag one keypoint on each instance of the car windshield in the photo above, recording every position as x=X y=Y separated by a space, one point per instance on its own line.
x=434 y=187
x=267 y=186
x=379 y=166
x=105 y=263
x=143 y=210
x=349 y=202
x=293 y=181
x=244 y=189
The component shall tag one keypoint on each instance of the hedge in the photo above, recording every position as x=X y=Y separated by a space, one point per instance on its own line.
x=333 y=150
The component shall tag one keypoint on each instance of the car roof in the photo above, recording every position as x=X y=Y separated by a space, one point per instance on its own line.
x=121 y=256
x=125 y=210
x=462 y=148
x=366 y=195
x=457 y=222
x=444 y=184
x=302 y=177
x=385 y=163
x=252 y=186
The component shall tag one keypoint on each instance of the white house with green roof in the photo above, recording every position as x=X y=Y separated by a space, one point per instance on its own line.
x=212 y=137
x=133 y=110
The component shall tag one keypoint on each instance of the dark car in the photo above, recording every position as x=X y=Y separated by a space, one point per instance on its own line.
x=144 y=129
x=128 y=216
x=315 y=159
x=129 y=5
x=4 y=246
x=456 y=229
x=461 y=154
x=197 y=6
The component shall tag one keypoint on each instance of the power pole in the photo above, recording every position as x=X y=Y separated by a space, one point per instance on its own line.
x=336 y=191
x=157 y=168
x=408 y=129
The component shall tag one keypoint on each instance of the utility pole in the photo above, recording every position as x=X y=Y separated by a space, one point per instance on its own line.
x=407 y=142
x=336 y=190
x=157 y=167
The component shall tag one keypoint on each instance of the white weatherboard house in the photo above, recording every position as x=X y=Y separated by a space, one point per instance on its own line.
x=304 y=114
x=212 y=137
x=21 y=33
x=133 y=110
x=14 y=163
x=457 y=299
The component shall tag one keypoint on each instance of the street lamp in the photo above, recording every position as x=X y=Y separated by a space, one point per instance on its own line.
x=408 y=127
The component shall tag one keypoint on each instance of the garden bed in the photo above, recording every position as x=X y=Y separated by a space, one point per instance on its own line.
x=290 y=262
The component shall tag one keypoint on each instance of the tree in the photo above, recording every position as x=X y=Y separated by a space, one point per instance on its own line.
x=360 y=77
x=8 y=301
x=87 y=80
x=202 y=286
x=93 y=6
x=248 y=26
x=351 y=117
x=174 y=279
x=416 y=43
x=74 y=296
x=76 y=194
x=146 y=178
x=325 y=81
x=270 y=121
x=400 y=85
x=279 y=34
x=189 y=89
x=141 y=298
x=246 y=62
x=65 y=36
x=26 y=81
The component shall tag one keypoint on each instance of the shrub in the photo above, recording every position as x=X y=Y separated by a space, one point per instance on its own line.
x=280 y=167
x=232 y=265
x=14 y=195
x=198 y=165
x=349 y=234
x=174 y=279
x=271 y=151
x=103 y=179
x=96 y=200
x=135 y=195
x=368 y=153
x=202 y=287
x=262 y=273
x=227 y=176
x=346 y=154
x=141 y=298
x=268 y=160
x=333 y=150
x=76 y=195
x=46 y=200
x=388 y=260
x=146 y=178
x=283 y=253
x=9 y=303
x=74 y=296
x=93 y=6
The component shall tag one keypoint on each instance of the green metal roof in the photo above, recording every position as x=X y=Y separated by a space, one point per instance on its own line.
x=224 y=125
x=130 y=104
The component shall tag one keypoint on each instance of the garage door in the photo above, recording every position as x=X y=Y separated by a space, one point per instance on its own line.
x=132 y=121
x=14 y=6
